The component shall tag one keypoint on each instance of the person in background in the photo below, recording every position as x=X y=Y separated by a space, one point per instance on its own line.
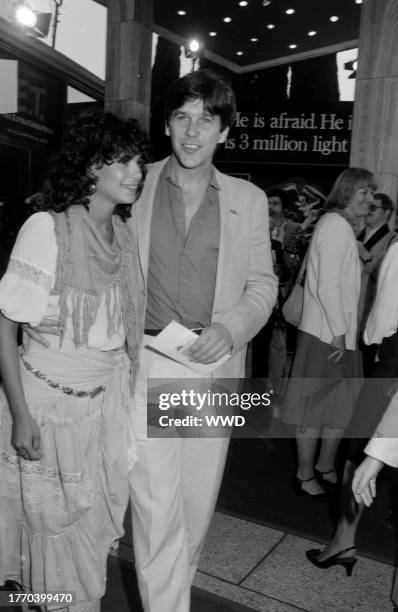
x=381 y=450
x=373 y=243
x=269 y=351
x=66 y=436
x=381 y=331
x=327 y=369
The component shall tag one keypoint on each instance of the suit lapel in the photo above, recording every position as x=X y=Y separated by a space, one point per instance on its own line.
x=143 y=213
x=230 y=210
x=381 y=232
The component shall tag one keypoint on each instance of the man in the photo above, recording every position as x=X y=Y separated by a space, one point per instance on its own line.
x=269 y=348
x=204 y=245
x=373 y=242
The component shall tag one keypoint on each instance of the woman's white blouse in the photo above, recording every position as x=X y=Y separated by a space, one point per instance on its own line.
x=26 y=285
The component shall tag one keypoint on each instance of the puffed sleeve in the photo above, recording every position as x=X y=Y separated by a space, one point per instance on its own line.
x=25 y=287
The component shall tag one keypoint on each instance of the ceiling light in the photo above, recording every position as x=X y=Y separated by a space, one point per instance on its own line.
x=243 y=3
x=334 y=18
x=212 y=33
x=270 y=26
x=227 y=19
x=290 y=11
x=292 y=46
x=182 y=12
x=239 y=53
x=312 y=33
x=266 y=2
x=254 y=40
x=358 y=1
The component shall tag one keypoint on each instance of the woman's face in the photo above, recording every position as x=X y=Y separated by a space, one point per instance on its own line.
x=361 y=198
x=117 y=183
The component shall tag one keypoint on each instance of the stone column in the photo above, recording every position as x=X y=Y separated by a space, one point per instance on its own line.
x=375 y=126
x=128 y=59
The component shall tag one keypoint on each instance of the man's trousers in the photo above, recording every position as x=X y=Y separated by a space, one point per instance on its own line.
x=174 y=487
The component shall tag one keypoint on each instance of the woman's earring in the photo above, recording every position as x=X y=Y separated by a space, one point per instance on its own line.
x=92 y=188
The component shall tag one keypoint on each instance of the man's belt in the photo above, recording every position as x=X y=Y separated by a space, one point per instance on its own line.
x=155 y=332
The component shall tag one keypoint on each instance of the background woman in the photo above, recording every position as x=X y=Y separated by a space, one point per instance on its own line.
x=372 y=401
x=326 y=372
x=65 y=436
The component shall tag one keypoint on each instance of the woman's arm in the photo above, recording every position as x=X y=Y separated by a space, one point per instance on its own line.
x=25 y=432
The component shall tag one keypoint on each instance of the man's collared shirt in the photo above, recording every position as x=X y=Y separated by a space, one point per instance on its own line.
x=182 y=265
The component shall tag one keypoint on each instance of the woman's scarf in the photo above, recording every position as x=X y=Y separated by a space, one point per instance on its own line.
x=88 y=267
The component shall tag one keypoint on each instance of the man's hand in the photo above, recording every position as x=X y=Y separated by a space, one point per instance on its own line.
x=47 y=326
x=338 y=343
x=364 y=481
x=26 y=437
x=214 y=342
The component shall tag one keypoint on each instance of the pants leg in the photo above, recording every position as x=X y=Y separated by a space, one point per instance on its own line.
x=174 y=487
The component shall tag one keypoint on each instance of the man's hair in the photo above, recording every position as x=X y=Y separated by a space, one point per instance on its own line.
x=277 y=192
x=92 y=140
x=346 y=184
x=386 y=202
x=215 y=92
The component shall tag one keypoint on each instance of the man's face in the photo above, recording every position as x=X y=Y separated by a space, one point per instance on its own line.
x=376 y=214
x=275 y=207
x=194 y=134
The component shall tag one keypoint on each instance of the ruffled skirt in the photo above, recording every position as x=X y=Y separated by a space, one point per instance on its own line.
x=60 y=515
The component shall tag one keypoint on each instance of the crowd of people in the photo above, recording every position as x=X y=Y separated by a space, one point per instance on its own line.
x=118 y=250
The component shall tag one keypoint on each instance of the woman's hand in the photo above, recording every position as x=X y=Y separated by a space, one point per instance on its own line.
x=338 y=343
x=364 y=481
x=47 y=326
x=26 y=437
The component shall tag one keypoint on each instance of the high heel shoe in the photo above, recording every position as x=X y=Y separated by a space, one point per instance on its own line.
x=347 y=562
x=297 y=485
x=320 y=476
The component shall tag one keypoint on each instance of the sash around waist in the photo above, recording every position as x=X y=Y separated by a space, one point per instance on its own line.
x=81 y=368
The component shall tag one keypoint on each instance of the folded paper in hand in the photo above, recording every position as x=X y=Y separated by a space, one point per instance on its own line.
x=174 y=342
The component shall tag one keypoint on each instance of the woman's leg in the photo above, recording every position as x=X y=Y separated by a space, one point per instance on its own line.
x=350 y=514
x=331 y=437
x=306 y=447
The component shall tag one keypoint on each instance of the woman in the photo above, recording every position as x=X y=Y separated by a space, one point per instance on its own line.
x=381 y=327
x=65 y=436
x=326 y=372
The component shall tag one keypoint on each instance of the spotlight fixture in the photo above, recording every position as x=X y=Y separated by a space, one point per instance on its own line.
x=270 y=26
x=254 y=39
x=293 y=46
x=182 y=12
x=33 y=22
x=266 y=2
x=358 y=1
x=212 y=33
x=193 y=48
x=239 y=53
x=312 y=33
x=227 y=19
x=243 y=3
x=334 y=18
x=290 y=11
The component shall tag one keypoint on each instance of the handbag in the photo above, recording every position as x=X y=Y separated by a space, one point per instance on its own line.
x=292 y=309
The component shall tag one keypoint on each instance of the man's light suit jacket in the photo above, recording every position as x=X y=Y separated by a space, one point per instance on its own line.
x=246 y=287
x=384 y=444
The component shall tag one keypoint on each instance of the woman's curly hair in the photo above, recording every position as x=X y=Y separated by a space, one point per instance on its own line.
x=92 y=140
